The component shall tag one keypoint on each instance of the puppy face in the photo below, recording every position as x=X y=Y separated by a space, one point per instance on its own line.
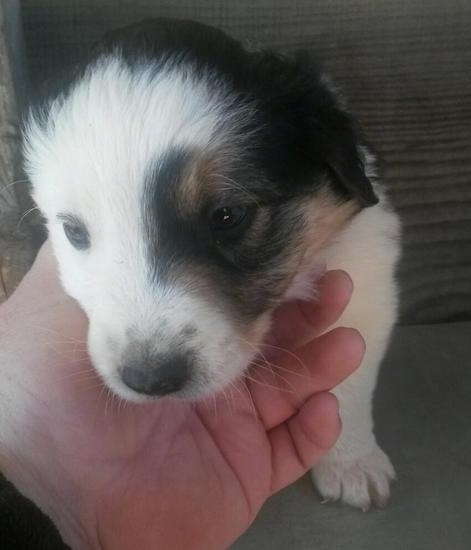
x=187 y=184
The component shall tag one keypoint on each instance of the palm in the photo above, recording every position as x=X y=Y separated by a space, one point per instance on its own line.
x=210 y=466
x=230 y=453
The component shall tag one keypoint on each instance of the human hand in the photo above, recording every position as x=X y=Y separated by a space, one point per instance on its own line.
x=169 y=474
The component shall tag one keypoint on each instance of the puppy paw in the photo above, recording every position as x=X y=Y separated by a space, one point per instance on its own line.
x=359 y=483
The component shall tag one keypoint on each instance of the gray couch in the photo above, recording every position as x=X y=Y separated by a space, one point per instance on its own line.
x=405 y=66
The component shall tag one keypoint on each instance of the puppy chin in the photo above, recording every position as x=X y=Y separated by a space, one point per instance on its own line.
x=194 y=391
x=218 y=362
x=205 y=382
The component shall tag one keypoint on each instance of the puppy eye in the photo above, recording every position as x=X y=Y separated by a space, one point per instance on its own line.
x=77 y=234
x=228 y=217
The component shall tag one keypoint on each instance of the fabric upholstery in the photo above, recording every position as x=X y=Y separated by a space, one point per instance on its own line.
x=15 y=242
x=422 y=411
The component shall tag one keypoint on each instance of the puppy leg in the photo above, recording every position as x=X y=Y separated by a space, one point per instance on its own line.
x=357 y=471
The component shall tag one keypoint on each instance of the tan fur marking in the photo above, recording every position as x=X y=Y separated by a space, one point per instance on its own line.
x=205 y=177
x=325 y=218
x=196 y=184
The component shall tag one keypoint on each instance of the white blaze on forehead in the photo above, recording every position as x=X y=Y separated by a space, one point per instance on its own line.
x=115 y=111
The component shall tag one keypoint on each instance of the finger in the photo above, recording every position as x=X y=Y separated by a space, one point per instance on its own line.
x=298 y=322
x=303 y=439
x=279 y=390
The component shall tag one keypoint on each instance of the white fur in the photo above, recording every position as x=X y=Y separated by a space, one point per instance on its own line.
x=356 y=470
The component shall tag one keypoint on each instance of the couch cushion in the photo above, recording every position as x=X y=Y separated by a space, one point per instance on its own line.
x=405 y=68
x=16 y=250
x=423 y=411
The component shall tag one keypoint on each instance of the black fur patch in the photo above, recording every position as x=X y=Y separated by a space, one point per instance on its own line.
x=247 y=271
x=172 y=237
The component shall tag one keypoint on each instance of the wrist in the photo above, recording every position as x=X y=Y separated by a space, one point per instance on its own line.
x=29 y=482
x=27 y=457
x=169 y=527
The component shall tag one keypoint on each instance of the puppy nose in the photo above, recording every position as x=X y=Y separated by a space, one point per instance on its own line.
x=159 y=378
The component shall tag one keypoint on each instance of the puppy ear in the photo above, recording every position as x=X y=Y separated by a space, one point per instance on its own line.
x=341 y=152
x=318 y=135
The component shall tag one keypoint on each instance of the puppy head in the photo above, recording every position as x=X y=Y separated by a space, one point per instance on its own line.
x=184 y=181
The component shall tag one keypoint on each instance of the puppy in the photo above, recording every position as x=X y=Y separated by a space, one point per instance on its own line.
x=189 y=188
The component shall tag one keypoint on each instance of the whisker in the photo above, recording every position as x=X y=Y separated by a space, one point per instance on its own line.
x=290 y=353
x=69 y=340
x=80 y=374
x=253 y=346
x=270 y=369
x=224 y=393
x=268 y=365
x=114 y=401
x=103 y=389
x=11 y=184
x=65 y=356
x=29 y=211
x=275 y=365
x=246 y=396
x=108 y=396
x=266 y=385
x=215 y=406
x=8 y=186
x=237 y=186
x=122 y=403
x=94 y=386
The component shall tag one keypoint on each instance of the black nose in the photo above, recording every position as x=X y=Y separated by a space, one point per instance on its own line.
x=161 y=377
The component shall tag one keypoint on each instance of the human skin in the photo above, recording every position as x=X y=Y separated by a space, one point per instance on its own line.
x=168 y=474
